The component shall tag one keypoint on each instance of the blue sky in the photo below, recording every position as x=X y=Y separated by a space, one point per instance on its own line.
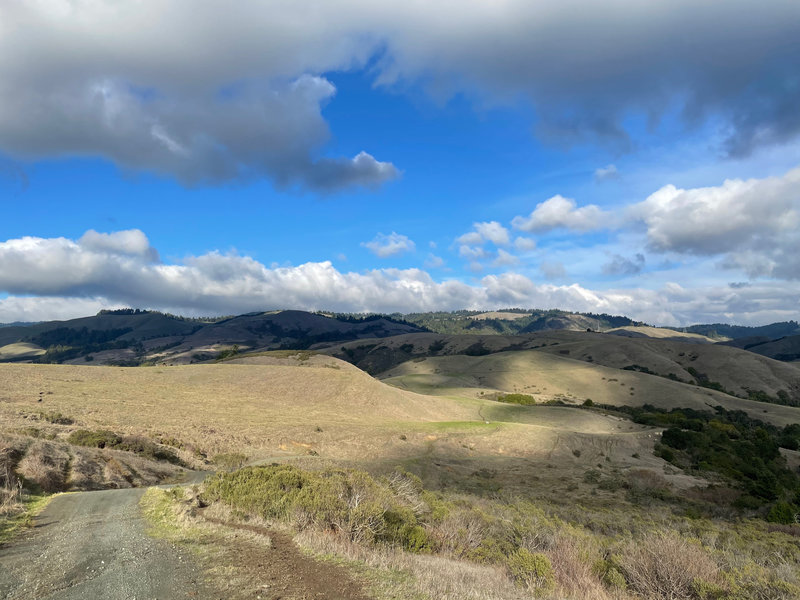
x=625 y=158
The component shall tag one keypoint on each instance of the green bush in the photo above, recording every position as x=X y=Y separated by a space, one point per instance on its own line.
x=349 y=502
x=100 y=438
x=531 y=569
x=782 y=512
x=523 y=399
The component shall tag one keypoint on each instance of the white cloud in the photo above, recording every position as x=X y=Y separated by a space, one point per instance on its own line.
x=434 y=262
x=559 y=212
x=389 y=245
x=60 y=278
x=132 y=242
x=494 y=232
x=754 y=223
x=472 y=252
x=490 y=231
x=606 y=173
x=504 y=259
x=524 y=244
x=471 y=238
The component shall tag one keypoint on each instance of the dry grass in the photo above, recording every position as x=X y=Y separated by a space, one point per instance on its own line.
x=268 y=412
x=664 y=566
x=426 y=576
x=548 y=375
x=45 y=464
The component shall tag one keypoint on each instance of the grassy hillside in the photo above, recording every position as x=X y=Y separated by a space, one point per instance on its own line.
x=784 y=349
x=513 y=321
x=318 y=408
x=663 y=333
x=129 y=338
x=444 y=493
x=711 y=366
x=547 y=377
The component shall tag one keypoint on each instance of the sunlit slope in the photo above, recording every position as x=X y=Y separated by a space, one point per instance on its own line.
x=20 y=351
x=546 y=377
x=219 y=407
x=643 y=331
x=316 y=408
x=717 y=366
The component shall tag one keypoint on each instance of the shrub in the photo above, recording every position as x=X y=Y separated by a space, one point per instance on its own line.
x=663 y=565
x=44 y=465
x=782 y=512
x=229 y=460
x=56 y=418
x=531 y=569
x=100 y=438
x=523 y=399
x=103 y=438
x=591 y=476
x=348 y=502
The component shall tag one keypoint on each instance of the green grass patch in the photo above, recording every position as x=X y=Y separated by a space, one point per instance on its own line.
x=11 y=525
x=523 y=399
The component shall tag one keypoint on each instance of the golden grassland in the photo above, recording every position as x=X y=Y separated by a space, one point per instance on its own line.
x=548 y=376
x=579 y=487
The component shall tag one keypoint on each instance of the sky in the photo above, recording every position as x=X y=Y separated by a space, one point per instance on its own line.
x=204 y=157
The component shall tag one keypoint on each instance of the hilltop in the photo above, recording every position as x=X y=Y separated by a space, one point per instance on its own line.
x=133 y=337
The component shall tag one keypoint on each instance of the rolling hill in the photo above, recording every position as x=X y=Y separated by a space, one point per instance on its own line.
x=549 y=376
x=716 y=367
x=128 y=337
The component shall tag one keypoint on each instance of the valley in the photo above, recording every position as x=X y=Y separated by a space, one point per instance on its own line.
x=484 y=447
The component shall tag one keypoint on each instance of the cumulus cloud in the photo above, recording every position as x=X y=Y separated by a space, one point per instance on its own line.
x=228 y=91
x=132 y=242
x=472 y=252
x=559 y=212
x=494 y=232
x=490 y=231
x=470 y=238
x=389 y=245
x=619 y=265
x=213 y=94
x=524 y=244
x=50 y=278
x=754 y=223
x=504 y=259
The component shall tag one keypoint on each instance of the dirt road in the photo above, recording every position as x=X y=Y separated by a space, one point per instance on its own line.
x=93 y=545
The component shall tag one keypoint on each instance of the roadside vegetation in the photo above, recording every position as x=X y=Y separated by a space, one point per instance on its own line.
x=442 y=544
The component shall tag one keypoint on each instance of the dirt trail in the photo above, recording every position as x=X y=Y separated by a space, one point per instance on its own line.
x=94 y=545
x=90 y=545
x=287 y=573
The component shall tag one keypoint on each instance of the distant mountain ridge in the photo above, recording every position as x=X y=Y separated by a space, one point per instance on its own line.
x=133 y=336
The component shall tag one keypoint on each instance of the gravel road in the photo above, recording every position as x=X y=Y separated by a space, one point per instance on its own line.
x=93 y=545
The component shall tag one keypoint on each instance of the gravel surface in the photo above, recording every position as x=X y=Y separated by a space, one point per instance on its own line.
x=93 y=545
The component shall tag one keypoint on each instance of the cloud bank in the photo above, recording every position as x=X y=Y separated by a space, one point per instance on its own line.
x=59 y=278
x=215 y=92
